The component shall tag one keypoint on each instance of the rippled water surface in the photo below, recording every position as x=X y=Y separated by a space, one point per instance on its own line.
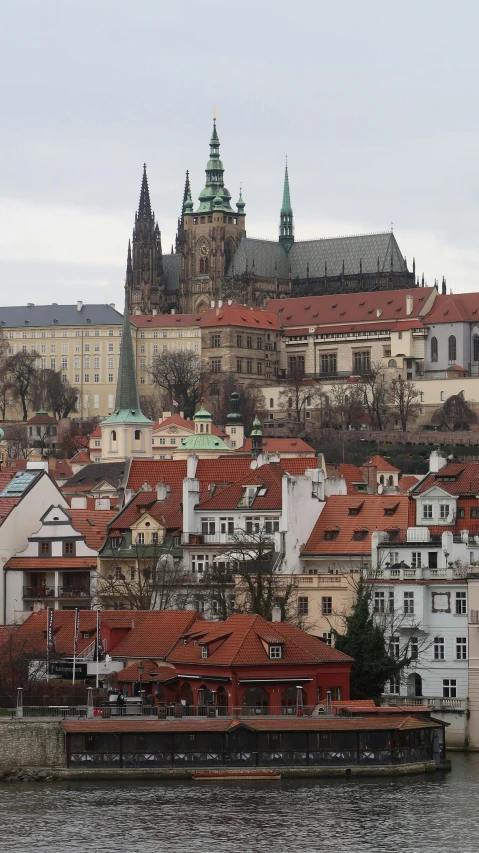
x=437 y=814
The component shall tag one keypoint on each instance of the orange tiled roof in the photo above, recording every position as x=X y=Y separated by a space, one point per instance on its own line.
x=167 y=512
x=370 y=517
x=350 y=473
x=381 y=464
x=240 y=315
x=173 y=420
x=466 y=479
x=454 y=308
x=82 y=457
x=237 y=642
x=27 y=563
x=151 y=672
x=6 y=506
x=407 y=482
x=268 y=476
x=60 y=468
x=92 y=524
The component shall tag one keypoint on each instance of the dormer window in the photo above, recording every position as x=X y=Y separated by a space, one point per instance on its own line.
x=356 y=509
x=359 y=535
x=204 y=652
x=330 y=535
x=275 y=652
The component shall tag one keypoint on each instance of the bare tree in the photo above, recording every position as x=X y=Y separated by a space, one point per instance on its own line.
x=375 y=388
x=404 y=396
x=345 y=405
x=152 y=406
x=23 y=373
x=298 y=393
x=56 y=395
x=16 y=441
x=183 y=377
x=454 y=414
x=150 y=578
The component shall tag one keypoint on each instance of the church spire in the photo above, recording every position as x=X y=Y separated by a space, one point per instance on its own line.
x=144 y=207
x=180 y=234
x=127 y=399
x=214 y=185
x=286 y=235
x=129 y=270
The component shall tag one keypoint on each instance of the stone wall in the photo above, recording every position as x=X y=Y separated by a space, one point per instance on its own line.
x=31 y=744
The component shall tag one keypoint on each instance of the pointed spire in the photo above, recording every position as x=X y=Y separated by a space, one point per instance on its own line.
x=127 y=388
x=144 y=207
x=286 y=235
x=256 y=437
x=128 y=262
x=187 y=190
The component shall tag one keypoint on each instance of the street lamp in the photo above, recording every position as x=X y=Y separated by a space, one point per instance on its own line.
x=140 y=675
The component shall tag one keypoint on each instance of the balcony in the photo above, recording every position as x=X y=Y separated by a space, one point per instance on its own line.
x=437 y=703
x=73 y=592
x=36 y=592
x=39 y=591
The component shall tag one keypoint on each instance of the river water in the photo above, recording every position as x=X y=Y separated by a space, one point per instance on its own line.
x=419 y=814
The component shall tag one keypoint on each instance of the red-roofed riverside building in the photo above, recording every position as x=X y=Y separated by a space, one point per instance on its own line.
x=247 y=663
x=453 y=337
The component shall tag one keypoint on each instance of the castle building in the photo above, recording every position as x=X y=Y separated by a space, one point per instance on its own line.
x=215 y=260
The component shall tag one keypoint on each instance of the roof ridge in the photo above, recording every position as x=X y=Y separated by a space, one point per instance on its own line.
x=253 y=618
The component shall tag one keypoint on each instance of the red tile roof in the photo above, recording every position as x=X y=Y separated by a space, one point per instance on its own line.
x=137 y=633
x=44 y=563
x=281 y=445
x=455 y=308
x=238 y=642
x=167 y=512
x=174 y=420
x=407 y=482
x=143 y=321
x=96 y=432
x=268 y=476
x=466 y=479
x=240 y=315
x=60 y=468
x=151 y=672
x=381 y=464
x=81 y=458
x=229 y=469
x=371 y=517
x=92 y=524
x=6 y=506
x=350 y=473
x=344 y=309
x=42 y=419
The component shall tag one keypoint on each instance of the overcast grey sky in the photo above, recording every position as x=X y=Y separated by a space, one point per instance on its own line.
x=375 y=105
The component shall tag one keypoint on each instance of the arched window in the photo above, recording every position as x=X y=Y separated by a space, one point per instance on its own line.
x=475 y=348
x=433 y=349
x=271 y=403
x=204 y=266
x=452 y=348
x=381 y=479
x=137 y=435
x=291 y=699
x=255 y=699
x=392 y=363
x=113 y=435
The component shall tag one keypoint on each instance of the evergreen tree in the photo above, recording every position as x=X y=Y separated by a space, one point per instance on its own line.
x=365 y=641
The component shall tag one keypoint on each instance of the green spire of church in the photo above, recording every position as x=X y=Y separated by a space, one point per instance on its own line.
x=127 y=402
x=286 y=235
x=256 y=437
x=215 y=190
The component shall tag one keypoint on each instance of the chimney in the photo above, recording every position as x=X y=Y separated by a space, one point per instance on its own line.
x=137 y=312
x=191 y=465
x=408 y=305
x=173 y=310
x=220 y=303
x=212 y=303
x=154 y=312
x=276 y=614
x=79 y=305
x=436 y=462
x=161 y=491
x=379 y=311
x=230 y=301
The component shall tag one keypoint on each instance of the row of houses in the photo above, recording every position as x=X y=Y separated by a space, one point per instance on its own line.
x=417 y=334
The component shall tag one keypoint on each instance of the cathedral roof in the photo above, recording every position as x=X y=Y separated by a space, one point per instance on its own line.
x=312 y=257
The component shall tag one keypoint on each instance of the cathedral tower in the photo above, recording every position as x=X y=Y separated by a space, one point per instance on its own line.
x=144 y=269
x=286 y=234
x=210 y=236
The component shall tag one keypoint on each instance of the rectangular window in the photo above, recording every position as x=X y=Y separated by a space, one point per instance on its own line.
x=461 y=603
x=326 y=605
x=216 y=365
x=259 y=343
x=432 y=559
x=76 y=362
x=96 y=377
x=162 y=441
x=96 y=401
x=259 y=367
x=362 y=361
x=110 y=362
x=249 y=366
x=208 y=526
x=394 y=686
x=110 y=347
x=238 y=365
x=249 y=341
x=443 y=511
x=140 y=538
x=86 y=363
x=45 y=549
x=43 y=348
x=52 y=348
x=427 y=510
x=461 y=648
x=227 y=525
x=96 y=363
x=275 y=652
x=253 y=525
x=216 y=341
x=303 y=605
x=64 y=364
x=68 y=549
x=110 y=377
x=393 y=557
x=413 y=647
x=449 y=688
x=198 y=563
x=438 y=648
x=76 y=378
x=86 y=377
x=378 y=602
x=416 y=561
x=409 y=602
x=142 y=349
x=64 y=347
x=328 y=638
x=394 y=647
x=239 y=341
x=52 y=364
x=271 y=525
x=329 y=362
x=336 y=693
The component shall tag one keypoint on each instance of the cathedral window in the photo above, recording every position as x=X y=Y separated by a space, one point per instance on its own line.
x=475 y=348
x=452 y=348
x=204 y=266
x=434 y=349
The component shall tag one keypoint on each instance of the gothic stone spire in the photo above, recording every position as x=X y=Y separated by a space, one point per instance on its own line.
x=286 y=235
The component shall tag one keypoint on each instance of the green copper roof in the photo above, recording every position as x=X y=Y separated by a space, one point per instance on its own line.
x=240 y=203
x=256 y=427
x=214 y=196
x=127 y=403
x=204 y=441
x=234 y=416
x=202 y=415
x=286 y=234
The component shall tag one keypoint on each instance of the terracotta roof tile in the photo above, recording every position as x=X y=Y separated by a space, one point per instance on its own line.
x=381 y=464
x=281 y=445
x=466 y=479
x=92 y=524
x=151 y=672
x=228 y=470
x=454 y=308
x=44 y=563
x=167 y=512
x=369 y=517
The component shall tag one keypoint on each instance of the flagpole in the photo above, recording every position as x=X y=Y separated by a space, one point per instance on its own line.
x=97 y=648
x=75 y=641
x=48 y=644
